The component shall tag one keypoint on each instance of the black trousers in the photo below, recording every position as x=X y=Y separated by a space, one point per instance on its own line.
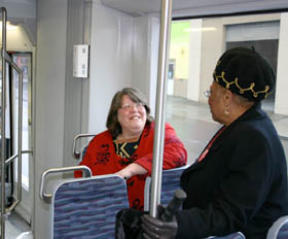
x=128 y=224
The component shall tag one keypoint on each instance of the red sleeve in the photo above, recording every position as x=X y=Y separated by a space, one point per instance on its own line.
x=175 y=154
x=101 y=145
x=87 y=160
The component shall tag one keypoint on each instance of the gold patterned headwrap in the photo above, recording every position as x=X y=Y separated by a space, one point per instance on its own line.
x=244 y=72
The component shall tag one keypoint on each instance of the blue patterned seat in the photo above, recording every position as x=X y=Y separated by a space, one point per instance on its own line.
x=279 y=229
x=170 y=183
x=235 y=235
x=87 y=208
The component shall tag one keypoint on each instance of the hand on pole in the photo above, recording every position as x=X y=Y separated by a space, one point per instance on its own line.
x=154 y=228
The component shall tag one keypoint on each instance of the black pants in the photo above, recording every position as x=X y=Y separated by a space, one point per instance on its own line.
x=128 y=224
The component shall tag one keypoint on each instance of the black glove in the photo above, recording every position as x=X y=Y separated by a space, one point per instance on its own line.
x=154 y=228
x=165 y=227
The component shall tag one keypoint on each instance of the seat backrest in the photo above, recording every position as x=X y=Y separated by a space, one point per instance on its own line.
x=235 y=235
x=87 y=208
x=82 y=153
x=279 y=229
x=170 y=183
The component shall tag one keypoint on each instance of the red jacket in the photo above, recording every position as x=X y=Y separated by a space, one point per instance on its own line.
x=101 y=158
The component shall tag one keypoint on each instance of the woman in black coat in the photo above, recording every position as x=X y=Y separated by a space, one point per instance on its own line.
x=239 y=182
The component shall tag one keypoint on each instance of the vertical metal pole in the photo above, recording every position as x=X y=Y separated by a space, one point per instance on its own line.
x=3 y=136
x=20 y=123
x=166 y=8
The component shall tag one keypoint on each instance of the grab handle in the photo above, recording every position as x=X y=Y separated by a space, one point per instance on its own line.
x=47 y=196
x=76 y=154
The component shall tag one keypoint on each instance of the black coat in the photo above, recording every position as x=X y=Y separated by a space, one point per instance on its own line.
x=241 y=184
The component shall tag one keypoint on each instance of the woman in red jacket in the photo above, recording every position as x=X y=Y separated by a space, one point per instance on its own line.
x=126 y=148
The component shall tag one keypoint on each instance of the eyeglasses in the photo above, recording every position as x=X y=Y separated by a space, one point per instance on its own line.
x=207 y=93
x=127 y=107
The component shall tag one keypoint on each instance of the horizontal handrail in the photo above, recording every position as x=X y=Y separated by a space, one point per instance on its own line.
x=14 y=204
x=10 y=159
x=12 y=63
x=47 y=197
x=19 y=186
x=76 y=154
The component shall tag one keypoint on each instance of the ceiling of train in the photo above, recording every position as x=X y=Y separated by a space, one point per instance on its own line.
x=196 y=7
x=22 y=12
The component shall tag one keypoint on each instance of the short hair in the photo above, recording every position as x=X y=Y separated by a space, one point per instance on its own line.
x=136 y=96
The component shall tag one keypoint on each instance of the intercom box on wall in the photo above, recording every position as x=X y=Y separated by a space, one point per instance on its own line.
x=80 y=61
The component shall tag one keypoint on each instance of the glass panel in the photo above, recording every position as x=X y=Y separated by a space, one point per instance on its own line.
x=23 y=61
x=196 y=45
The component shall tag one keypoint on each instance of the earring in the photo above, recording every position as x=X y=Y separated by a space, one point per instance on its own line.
x=226 y=111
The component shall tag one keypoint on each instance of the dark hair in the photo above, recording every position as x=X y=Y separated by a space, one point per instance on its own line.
x=136 y=96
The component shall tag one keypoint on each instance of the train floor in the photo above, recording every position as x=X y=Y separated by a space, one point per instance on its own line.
x=17 y=228
x=193 y=124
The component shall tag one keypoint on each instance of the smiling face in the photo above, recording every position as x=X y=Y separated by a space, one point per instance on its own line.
x=132 y=117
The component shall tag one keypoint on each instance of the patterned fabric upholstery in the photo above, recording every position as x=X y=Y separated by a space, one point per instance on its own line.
x=236 y=235
x=283 y=232
x=170 y=183
x=279 y=229
x=87 y=208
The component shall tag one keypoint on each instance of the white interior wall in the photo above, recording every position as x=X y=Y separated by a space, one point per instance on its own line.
x=145 y=56
x=110 y=61
x=153 y=49
x=193 y=82
x=49 y=101
x=124 y=52
x=140 y=54
x=281 y=106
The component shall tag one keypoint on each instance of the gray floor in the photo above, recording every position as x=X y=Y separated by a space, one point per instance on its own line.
x=192 y=122
x=194 y=125
x=17 y=228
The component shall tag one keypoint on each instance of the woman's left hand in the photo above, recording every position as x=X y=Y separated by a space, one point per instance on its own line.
x=131 y=170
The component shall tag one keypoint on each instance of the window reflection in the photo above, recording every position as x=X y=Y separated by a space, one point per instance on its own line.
x=196 y=44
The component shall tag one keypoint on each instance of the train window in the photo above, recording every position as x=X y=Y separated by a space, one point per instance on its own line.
x=195 y=46
x=23 y=61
